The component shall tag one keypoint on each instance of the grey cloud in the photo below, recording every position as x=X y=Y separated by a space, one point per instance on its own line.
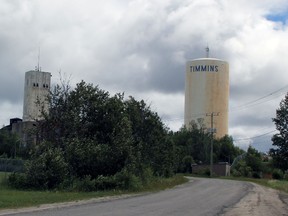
x=250 y=120
x=141 y=47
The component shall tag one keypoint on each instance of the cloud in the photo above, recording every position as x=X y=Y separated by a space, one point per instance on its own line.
x=140 y=47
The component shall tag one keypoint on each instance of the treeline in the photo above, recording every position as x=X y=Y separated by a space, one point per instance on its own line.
x=193 y=147
x=8 y=144
x=91 y=136
x=93 y=141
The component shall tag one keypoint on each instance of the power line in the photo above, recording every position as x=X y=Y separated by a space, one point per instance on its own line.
x=274 y=92
x=248 y=138
x=262 y=142
x=239 y=108
x=252 y=103
x=243 y=106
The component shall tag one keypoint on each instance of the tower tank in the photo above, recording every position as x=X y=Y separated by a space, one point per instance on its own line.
x=207 y=92
x=36 y=88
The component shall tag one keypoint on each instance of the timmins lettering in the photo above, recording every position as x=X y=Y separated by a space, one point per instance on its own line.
x=200 y=68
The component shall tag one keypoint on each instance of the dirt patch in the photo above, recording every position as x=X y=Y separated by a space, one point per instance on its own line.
x=258 y=202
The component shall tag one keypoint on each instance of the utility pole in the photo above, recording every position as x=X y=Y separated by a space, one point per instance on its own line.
x=212 y=131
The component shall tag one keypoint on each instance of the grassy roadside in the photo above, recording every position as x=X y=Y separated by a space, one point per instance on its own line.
x=281 y=185
x=11 y=198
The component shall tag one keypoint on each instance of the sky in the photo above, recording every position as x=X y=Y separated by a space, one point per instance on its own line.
x=140 y=47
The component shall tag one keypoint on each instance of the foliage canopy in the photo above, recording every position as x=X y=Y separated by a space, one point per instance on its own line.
x=88 y=134
x=280 y=139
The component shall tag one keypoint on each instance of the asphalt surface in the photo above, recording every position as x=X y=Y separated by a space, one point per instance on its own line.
x=197 y=197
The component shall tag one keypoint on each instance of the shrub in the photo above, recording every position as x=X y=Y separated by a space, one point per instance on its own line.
x=105 y=182
x=147 y=176
x=127 y=180
x=243 y=169
x=235 y=173
x=277 y=174
x=256 y=175
x=202 y=172
x=85 y=184
x=47 y=170
x=285 y=177
x=187 y=161
x=18 y=180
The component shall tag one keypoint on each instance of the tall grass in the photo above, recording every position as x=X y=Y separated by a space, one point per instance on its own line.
x=3 y=181
x=164 y=183
x=11 y=198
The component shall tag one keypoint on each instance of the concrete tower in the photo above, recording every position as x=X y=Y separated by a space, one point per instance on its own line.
x=207 y=92
x=36 y=87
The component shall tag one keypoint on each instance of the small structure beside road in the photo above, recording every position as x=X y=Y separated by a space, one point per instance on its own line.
x=220 y=169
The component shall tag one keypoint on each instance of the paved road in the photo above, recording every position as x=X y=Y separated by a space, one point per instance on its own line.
x=198 y=197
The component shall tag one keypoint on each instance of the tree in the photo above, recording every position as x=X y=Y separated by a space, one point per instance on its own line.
x=194 y=142
x=47 y=167
x=91 y=127
x=98 y=136
x=225 y=149
x=188 y=161
x=9 y=143
x=151 y=145
x=254 y=159
x=280 y=139
x=250 y=165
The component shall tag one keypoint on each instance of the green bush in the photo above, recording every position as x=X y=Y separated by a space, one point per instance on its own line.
x=127 y=180
x=105 y=182
x=122 y=180
x=235 y=173
x=203 y=172
x=285 y=177
x=147 y=176
x=68 y=184
x=85 y=184
x=187 y=162
x=256 y=175
x=46 y=169
x=18 y=180
x=88 y=184
x=277 y=174
x=243 y=169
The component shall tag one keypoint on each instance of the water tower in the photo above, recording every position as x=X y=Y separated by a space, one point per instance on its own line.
x=206 y=93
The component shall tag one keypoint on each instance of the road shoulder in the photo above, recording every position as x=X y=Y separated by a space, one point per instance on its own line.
x=260 y=201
